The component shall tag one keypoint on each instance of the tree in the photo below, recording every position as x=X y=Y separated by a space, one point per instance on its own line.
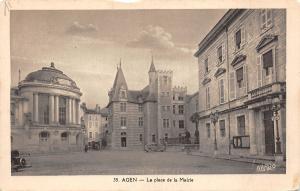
x=195 y=118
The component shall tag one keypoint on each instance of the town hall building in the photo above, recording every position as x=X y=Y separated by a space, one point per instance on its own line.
x=152 y=115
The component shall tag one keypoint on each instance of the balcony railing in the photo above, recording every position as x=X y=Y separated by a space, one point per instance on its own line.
x=276 y=87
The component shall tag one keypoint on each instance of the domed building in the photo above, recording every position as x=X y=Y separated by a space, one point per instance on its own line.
x=45 y=113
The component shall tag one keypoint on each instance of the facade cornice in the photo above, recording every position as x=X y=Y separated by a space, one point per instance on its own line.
x=37 y=84
x=219 y=72
x=267 y=39
x=225 y=21
x=237 y=59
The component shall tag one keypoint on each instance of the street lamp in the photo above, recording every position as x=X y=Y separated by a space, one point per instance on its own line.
x=275 y=108
x=214 y=119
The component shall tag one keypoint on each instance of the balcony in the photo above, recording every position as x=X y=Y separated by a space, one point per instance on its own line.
x=273 y=88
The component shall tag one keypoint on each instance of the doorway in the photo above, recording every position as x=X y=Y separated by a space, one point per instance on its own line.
x=123 y=141
x=269 y=133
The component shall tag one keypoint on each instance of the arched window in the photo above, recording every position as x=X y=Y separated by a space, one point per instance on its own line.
x=44 y=136
x=64 y=137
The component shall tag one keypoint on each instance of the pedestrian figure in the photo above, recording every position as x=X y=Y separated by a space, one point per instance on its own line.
x=86 y=148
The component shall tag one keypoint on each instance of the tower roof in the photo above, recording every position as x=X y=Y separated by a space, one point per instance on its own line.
x=119 y=79
x=152 y=67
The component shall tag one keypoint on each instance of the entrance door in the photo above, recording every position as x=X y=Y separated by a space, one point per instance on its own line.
x=123 y=141
x=269 y=133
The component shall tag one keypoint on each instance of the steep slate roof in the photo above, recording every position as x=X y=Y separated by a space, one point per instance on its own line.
x=134 y=96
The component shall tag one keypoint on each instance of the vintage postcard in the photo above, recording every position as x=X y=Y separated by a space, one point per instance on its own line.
x=150 y=95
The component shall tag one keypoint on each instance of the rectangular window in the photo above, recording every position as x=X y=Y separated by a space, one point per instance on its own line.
x=123 y=121
x=123 y=107
x=165 y=79
x=141 y=137
x=266 y=18
x=267 y=59
x=62 y=110
x=140 y=107
x=220 y=54
x=168 y=108
x=166 y=123
x=222 y=128
x=181 y=109
x=153 y=138
x=174 y=109
x=208 y=130
x=180 y=98
x=241 y=125
x=141 y=122
x=90 y=135
x=174 y=123
x=181 y=124
x=238 y=39
x=240 y=77
x=207 y=98
x=43 y=108
x=221 y=91
x=206 y=65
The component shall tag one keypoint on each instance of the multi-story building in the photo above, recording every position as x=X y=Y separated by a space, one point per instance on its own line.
x=45 y=113
x=96 y=125
x=92 y=122
x=137 y=118
x=242 y=78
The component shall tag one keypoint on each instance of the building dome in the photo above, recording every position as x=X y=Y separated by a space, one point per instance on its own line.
x=50 y=75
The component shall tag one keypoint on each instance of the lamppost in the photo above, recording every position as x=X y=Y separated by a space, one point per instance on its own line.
x=275 y=108
x=214 y=119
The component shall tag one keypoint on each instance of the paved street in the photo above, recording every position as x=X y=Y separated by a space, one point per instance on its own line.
x=134 y=162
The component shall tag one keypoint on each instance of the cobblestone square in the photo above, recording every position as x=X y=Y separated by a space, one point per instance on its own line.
x=134 y=162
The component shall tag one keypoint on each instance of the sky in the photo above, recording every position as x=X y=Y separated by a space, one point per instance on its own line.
x=88 y=45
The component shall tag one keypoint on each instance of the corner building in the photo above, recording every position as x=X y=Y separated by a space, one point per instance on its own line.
x=242 y=77
x=45 y=113
x=148 y=116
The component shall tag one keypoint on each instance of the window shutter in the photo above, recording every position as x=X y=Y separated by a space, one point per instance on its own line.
x=223 y=52
x=259 y=72
x=232 y=85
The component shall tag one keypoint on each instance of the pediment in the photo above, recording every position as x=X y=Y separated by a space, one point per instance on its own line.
x=238 y=59
x=267 y=39
x=206 y=80
x=220 y=71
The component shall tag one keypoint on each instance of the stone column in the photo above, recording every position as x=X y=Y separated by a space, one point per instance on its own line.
x=20 y=113
x=74 y=111
x=70 y=110
x=252 y=131
x=78 y=112
x=56 y=109
x=51 y=109
x=67 y=111
x=36 y=107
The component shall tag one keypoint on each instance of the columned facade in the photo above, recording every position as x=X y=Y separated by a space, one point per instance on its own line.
x=50 y=122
